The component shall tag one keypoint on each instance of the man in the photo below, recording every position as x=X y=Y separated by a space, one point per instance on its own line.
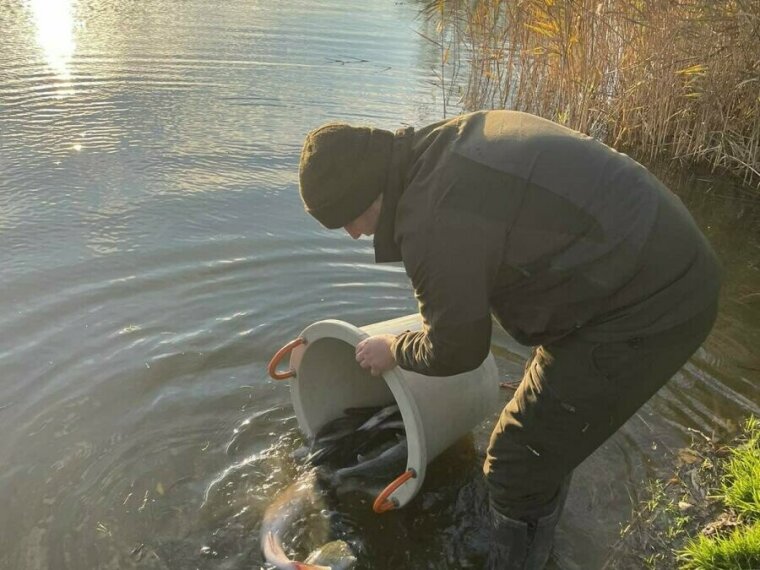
x=576 y=249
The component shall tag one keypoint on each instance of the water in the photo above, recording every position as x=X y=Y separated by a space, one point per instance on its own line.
x=155 y=254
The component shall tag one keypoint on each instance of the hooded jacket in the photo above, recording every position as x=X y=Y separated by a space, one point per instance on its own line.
x=550 y=231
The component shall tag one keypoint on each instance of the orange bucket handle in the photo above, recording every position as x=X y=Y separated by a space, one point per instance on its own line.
x=279 y=355
x=382 y=504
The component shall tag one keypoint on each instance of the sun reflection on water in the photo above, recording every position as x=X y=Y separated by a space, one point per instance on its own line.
x=54 y=22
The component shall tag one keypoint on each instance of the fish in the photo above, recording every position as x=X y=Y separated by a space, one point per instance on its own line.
x=337 y=453
x=379 y=417
x=386 y=465
x=338 y=442
x=392 y=423
x=374 y=440
x=353 y=452
x=341 y=425
x=284 y=512
x=371 y=453
x=336 y=555
x=365 y=411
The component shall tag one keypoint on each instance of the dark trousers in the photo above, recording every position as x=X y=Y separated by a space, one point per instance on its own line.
x=573 y=396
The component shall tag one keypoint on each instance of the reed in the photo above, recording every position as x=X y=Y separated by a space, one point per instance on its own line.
x=672 y=78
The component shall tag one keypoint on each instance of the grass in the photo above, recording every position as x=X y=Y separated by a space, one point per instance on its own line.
x=738 y=549
x=678 y=79
x=706 y=516
x=741 y=485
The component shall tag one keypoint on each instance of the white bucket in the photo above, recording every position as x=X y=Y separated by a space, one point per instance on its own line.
x=436 y=411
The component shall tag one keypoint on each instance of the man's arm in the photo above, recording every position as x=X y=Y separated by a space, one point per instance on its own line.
x=452 y=263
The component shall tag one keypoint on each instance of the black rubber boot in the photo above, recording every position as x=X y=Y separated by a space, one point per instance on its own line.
x=524 y=544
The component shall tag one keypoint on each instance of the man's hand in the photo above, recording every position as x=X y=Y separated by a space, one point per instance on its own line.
x=374 y=353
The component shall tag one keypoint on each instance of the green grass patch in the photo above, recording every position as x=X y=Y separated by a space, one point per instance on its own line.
x=705 y=517
x=741 y=485
x=739 y=550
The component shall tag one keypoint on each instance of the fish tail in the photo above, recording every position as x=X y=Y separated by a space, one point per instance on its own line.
x=274 y=553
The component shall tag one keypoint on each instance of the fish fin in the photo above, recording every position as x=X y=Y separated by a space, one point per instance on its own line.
x=304 y=566
x=274 y=553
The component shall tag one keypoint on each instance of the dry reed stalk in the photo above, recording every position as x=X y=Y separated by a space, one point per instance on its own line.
x=677 y=78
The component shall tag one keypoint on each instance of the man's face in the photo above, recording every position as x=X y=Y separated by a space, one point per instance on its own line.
x=366 y=224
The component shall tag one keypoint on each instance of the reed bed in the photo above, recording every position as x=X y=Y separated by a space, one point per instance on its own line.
x=660 y=78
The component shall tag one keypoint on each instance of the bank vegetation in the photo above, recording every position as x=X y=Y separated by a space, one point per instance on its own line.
x=658 y=78
x=706 y=516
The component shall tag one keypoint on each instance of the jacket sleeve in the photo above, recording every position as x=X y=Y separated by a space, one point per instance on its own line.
x=451 y=264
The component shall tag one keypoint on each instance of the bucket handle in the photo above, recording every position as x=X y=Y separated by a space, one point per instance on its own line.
x=382 y=504
x=279 y=355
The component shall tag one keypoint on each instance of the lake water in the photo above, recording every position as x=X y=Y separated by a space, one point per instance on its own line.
x=155 y=254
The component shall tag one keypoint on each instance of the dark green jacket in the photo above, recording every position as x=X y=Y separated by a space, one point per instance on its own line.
x=549 y=230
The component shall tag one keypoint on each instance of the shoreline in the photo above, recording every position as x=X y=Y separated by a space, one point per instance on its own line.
x=705 y=516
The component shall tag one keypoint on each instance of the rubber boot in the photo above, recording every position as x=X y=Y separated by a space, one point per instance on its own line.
x=524 y=544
